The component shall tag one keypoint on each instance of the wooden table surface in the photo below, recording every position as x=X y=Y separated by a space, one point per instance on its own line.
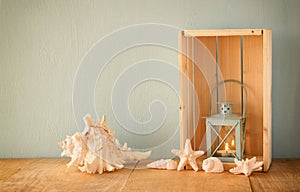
x=53 y=175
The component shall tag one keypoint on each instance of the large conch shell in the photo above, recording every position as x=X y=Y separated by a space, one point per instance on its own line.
x=212 y=165
x=168 y=164
x=246 y=167
x=94 y=149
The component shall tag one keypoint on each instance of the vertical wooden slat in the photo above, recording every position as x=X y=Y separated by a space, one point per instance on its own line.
x=267 y=98
x=190 y=103
x=253 y=80
x=183 y=88
x=186 y=89
x=229 y=62
x=205 y=52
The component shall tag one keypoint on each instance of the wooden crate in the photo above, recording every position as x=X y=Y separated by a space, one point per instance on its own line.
x=244 y=55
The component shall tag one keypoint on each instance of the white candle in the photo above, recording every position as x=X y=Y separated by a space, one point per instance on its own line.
x=226 y=147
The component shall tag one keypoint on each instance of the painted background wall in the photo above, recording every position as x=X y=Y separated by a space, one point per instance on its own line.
x=43 y=42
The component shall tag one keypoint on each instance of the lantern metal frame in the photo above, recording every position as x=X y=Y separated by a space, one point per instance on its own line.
x=236 y=122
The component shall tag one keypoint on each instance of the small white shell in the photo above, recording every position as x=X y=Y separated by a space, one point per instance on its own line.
x=212 y=165
x=168 y=164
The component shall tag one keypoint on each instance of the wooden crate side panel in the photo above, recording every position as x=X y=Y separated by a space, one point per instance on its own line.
x=186 y=89
x=267 y=98
x=190 y=102
x=205 y=52
x=183 y=88
x=229 y=61
x=253 y=80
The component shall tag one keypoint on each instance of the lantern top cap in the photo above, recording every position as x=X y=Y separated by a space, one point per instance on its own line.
x=227 y=116
x=225 y=102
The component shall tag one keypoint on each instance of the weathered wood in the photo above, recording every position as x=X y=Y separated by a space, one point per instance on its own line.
x=224 y=32
x=267 y=98
x=10 y=167
x=53 y=175
x=284 y=175
x=188 y=180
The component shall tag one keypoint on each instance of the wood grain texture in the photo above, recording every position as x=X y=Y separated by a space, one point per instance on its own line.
x=183 y=88
x=267 y=98
x=229 y=62
x=13 y=166
x=186 y=89
x=53 y=175
x=284 y=175
x=190 y=101
x=253 y=80
x=205 y=53
x=188 y=180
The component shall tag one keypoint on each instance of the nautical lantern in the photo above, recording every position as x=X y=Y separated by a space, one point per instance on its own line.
x=226 y=132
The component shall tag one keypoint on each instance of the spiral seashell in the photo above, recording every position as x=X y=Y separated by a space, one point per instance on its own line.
x=212 y=165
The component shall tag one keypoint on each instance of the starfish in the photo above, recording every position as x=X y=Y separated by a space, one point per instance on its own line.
x=246 y=167
x=187 y=156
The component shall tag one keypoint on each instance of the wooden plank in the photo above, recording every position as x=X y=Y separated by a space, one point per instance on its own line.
x=53 y=175
x=284 y=175
x=143 y=179
x=183 y=88
x=229 y=61
x=190 y=102
x=223 y=32
x=267 y=98
x=186 y=68
x=10 y=167
x=186 y=89
x=253 y=80
x=205 y=53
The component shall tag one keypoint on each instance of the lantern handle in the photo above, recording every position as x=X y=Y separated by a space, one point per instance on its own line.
x=231 y=81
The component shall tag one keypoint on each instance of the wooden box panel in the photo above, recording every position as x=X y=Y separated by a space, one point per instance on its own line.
x=253 y=74
x=208 y=56
x=201 y=86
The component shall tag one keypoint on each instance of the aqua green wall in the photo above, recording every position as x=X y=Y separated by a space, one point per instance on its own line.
x=43 y=42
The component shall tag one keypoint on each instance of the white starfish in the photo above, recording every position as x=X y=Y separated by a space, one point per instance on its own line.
x=187 y=156
x=246 y=167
